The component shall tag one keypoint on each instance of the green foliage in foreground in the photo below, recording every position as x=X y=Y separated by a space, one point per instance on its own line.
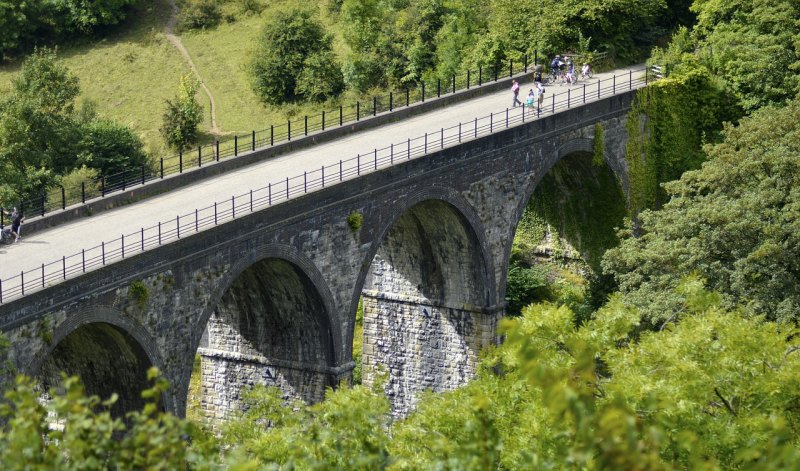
x=716 y=390
x=72 y=431
x=735 y=221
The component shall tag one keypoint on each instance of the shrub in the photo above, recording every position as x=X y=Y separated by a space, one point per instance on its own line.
x=111 y=147
x=182 y=116
x=294 y=60
x=200 y=14
x=72 y=181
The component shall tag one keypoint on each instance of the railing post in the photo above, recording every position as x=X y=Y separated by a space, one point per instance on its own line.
x=1 y=291
x=510 y=68
x=423 y=92
x=491 y=123
x=287 y=188
x=376 y=159
x=496 y=66
x=162 y=166
x=269 y=194
x=459 y=131
x=305 y=125
x=630 y=79
x=441 y=139
x=43 y=275
x=476 y=127
x=598 y=89
x=569 y=97
x=159 y=232
x=554 y=103
x=43 y=202
x=614 y=84
x=103 y=186
x=506 y=117
x=253 y=140
x=454 y=83
x=142 y=240
x=63 y=198
x=83 y=260
x=180 y=161
x=83 y=192
x=123 y=245
x=124 y=182
x=374 y=106
x=235 y=146
x=340 y=170
x=215 y=213
x=103 y=251
x=407 y=97
x=340 y=115
x=178 y=226
x=390 y=101
x=323 y=120
x=233 y=206
x=467 y=79
x=288 y=129
x=535 y=56
x=322 y=172
x=358 y=164
x=196 y=220
x=438 y=88
x=645 y=75
x=426 y=144
x=391 y=154
x=22 y=282
x=358 y=110
x=199 y=156
x=526 y=64
x=142 y=174
x=408 y=151
x=63 y=267
x=480 y=75
x=272 y=134
x=305 y=182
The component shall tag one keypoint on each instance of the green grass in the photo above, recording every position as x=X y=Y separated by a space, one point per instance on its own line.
x=128 y=74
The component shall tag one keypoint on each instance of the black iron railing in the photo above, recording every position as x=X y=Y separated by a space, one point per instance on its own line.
x=326 y=175
x=58 y=200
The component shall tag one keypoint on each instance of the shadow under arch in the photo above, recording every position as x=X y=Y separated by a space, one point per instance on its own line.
x=108 y=351
x=273 y=323
x=428 y=291
x=580 y=198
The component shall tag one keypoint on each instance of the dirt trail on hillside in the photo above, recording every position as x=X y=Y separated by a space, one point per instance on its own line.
x=169 y=30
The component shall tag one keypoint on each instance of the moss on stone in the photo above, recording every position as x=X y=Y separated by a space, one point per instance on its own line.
x=139 y=293
x=355 y=220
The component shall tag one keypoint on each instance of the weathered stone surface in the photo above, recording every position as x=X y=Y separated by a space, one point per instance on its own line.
x=277 y=290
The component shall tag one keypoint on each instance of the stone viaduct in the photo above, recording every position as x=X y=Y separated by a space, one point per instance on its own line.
x=271 y=297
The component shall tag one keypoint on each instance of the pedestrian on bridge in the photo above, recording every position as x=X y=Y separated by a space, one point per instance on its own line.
x=515 y=91
x=16 y=223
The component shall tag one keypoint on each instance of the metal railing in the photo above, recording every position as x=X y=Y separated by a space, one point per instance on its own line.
x=276 y=192
x=56 y=199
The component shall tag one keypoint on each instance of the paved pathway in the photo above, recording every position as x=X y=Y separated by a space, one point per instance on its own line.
x=69 y=238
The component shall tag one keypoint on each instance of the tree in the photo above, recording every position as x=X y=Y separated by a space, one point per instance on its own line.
x=294 y=60
x=183 y=114
x=37 y=132
x=110 y=147
x=734 y=222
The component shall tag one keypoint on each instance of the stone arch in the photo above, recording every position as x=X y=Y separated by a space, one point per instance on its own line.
x=123 y=348
x=427 y=285
x=272 y=322
x=575 y=146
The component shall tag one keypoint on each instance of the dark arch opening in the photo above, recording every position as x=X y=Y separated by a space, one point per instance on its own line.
x=107 y=360
x=423 y=304
x=270 y=327
x=569 y=222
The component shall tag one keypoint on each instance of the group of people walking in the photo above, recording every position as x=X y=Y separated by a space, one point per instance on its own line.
x=563 y=70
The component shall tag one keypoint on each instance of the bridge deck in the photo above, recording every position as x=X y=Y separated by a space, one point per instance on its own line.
x=69 y=239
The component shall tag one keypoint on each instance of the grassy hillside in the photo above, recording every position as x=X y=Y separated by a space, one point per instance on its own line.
x=128 y=74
